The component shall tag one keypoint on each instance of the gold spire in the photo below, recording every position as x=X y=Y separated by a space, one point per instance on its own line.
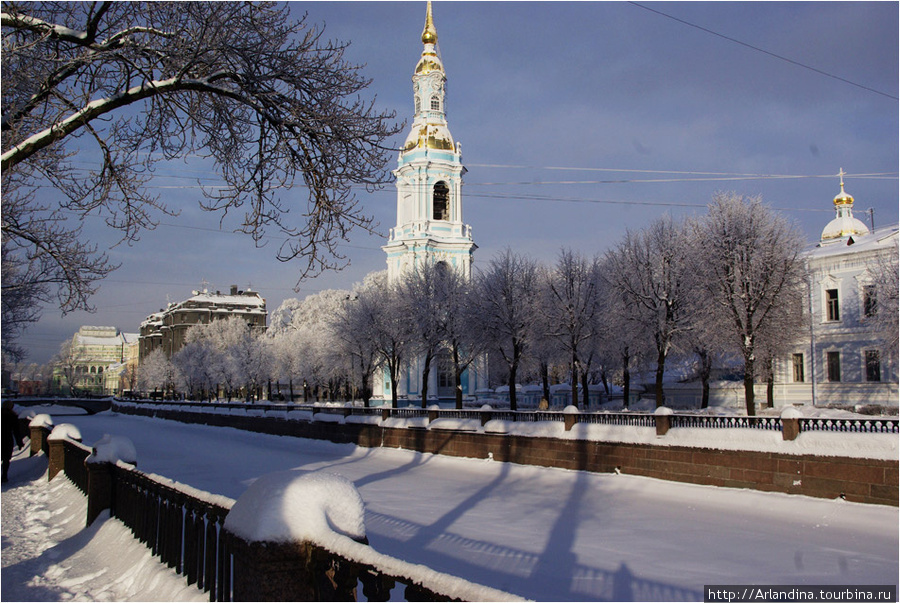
x=843 y=198
x=429 y=36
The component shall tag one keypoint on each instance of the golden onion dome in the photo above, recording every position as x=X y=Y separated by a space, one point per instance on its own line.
x=428 y=63
x=429 y=136
x=843 y=198
x=429 y=36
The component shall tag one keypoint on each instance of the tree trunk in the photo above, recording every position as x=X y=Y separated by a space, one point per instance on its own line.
x=574 y=401
x=513 y=370
x=457 y=379
x=426 y=373
x=393 y=369
x=748 y=388
x=585 y=392
x=660 y=370
x=291 y=386
x=626 y=376
x=705 y=370
x=545 y=380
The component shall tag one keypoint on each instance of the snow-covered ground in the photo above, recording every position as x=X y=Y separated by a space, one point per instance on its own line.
x=544 y=534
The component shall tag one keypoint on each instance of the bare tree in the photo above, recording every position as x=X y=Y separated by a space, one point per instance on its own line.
x=462 y=340
x=883 y=270
x=655 y=274
x=351 y=331
x=157 y=372
x=69 y=361
x=265 y=98
x=420 y=290
x=389 y=330
x=572 y=304
x=751 y=264
x=508 y=293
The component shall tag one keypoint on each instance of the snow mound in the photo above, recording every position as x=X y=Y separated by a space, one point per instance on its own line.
x=790 y=412
x=290 y=506
x=41 y=420
x=111 y=449
x=571 y=410
x=663 y=411
x=65 y=431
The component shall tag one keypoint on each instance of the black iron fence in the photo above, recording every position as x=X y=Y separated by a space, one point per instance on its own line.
x=631 y=418
x=185 y=529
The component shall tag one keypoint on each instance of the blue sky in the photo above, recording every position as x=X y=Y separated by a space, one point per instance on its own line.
x=578 y=121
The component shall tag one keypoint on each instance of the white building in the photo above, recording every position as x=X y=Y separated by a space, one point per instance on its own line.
x=430 y=225
x=842 y=360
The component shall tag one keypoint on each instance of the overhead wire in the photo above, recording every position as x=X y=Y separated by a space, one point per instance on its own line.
x=764 y=51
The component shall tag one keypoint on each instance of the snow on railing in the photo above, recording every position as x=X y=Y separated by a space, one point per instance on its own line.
x=291 y=536
x=307 y=412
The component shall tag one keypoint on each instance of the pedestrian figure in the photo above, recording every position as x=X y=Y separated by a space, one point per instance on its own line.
x=12 y=435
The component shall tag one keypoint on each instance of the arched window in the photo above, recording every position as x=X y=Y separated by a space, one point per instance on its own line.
x=440 y=202
x=418 y=104
x=435 y=103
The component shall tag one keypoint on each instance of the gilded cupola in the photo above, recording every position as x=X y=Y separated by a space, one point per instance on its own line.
x=844 y=224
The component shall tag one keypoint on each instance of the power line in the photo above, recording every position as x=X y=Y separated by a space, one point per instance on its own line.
x=758 y=49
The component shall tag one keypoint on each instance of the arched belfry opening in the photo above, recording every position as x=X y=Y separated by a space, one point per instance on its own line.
x=441 y=201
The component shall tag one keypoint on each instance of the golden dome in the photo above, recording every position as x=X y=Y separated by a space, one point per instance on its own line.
x=428 y=63
x=429 y=36
x=843 y=198
x=429 y=136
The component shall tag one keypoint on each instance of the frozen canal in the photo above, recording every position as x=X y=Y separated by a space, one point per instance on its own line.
x=545 y=534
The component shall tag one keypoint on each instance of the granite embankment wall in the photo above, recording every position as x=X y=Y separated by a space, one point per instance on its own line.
x=856 y=479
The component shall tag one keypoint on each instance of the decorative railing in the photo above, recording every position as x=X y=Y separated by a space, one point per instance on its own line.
x=184 y=531
x=850 y=425
x=629 y=418
x=185 y=528
x=726 y=422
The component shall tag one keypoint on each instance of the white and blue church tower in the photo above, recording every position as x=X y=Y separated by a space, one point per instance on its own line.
x=429 y=175
x=430 y=227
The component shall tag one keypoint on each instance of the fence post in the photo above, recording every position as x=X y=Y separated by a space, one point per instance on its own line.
x=57 y=460
x=790 y=423
x=39 y=428
x=663 y=416
x=100 y=488
x=275 y=556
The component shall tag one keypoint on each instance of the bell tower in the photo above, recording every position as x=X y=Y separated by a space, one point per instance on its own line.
x=429 y=174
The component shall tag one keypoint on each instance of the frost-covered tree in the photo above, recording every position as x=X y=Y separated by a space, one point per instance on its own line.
x=195 y=362
x=420 y=290
x=263 y=99
x=353 y=344
x=457 y=321
x=508 y=294
x=654 y=271
x=381 y=311
x=883 y=272
x=69 y=363
x=157 y=373
x=572 y=304
x=751 y=265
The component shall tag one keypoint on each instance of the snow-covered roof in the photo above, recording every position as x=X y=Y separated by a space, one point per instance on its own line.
x=881 y=239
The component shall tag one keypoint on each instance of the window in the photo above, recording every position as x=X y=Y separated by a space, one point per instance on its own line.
x=440 y=203
x=873 y=365
x=797 y=361
x=832 y=305
x=435 y=103
x=418 y=104
x=833 y=364
x=870 y=301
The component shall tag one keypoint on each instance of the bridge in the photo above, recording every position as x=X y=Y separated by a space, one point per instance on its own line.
x=90 y=405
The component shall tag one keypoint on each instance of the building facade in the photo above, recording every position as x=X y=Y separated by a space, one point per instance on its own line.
x=843 y=360
x=430 y=227
x=94 y=354
x=167 y=328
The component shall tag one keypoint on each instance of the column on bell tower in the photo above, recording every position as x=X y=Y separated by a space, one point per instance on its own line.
x=429 y=176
